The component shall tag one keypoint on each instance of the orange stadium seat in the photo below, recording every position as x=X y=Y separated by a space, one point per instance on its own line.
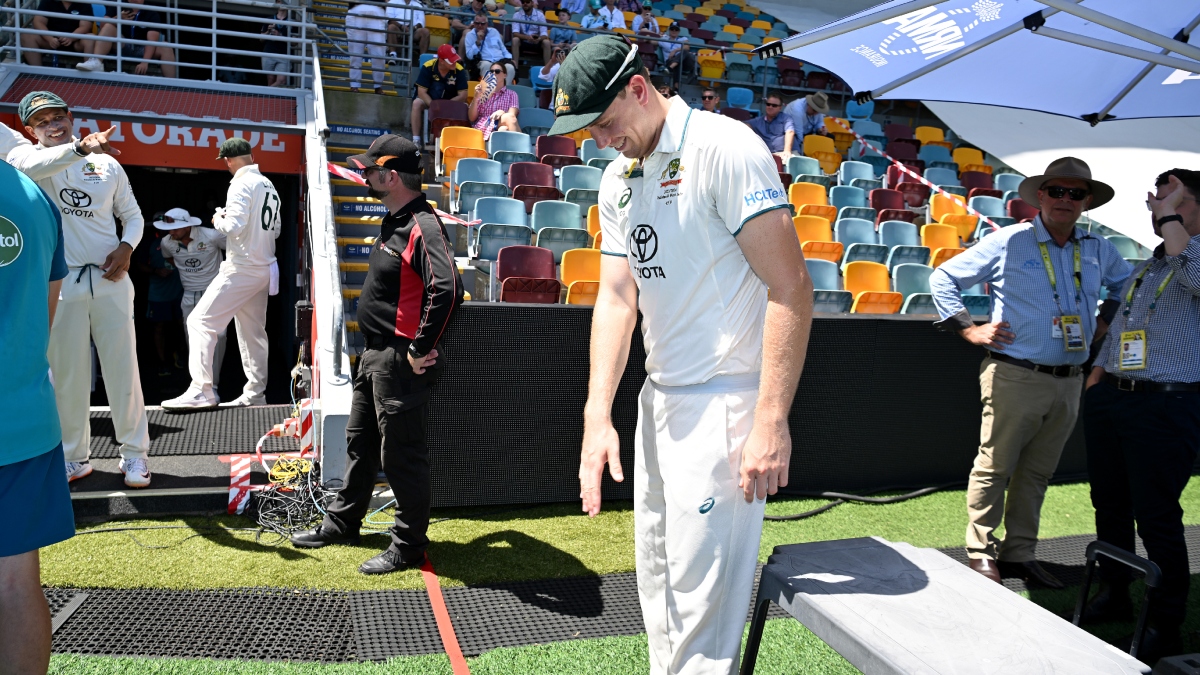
x=942 y=241
x=825 y=211
x=816 y=238
x=941 y=205
x=593 y=220
x=583 y=292
x=580 y=264
x=871 y=286
x=964 y=223
x=800 y=194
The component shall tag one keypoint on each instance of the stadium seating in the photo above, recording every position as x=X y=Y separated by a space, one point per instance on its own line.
x=819 y=179
x=825 y=211
x=474 y=170
x=559 y=240
x=844 y=195
x=942 y=177
x=493 y=237
x=556 y=214
x=941 y=206
x=583 y=293
x=903 y=242
x=927 y=134
x=1007 y=181
x=849 y=171
x=912 y=282
x=964 y=156
x=580 y=265
x=860 y=240
x=798 y=166
x=510 y=141
x=553 y=145
x=586 y=177
x=807 y=193
x=988 y=206
x=870 y=284
x=935 y=153
x=942 y=241
x=816 y=238
x=1021 y=210
x=867 y=184
x=593 y=220
x=859 y=111
x=588 y=152
x=827 y=297
x=535 y=121
x=915 y=194
x=442 y=114
x=822 y=149
x=531 y=173
x=526 y=274
x=963 y=223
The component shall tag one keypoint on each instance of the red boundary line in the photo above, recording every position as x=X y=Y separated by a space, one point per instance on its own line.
x=960 y=200
x=445 y=628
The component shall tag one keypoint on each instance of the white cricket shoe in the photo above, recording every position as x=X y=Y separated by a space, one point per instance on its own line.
x=192 y=399
x=91 y=65
x=245 y=400
x=137 y=474
x=77 y=470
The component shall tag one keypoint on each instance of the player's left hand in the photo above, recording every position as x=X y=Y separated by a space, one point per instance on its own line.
x=765 y=459
x=117 y=262
x=419 y=365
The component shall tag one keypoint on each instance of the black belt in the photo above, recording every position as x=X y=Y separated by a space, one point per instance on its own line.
x=1139 y=385
x=383 y=342
x=1056 y=371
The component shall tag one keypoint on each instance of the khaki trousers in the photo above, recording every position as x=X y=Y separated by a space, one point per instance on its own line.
x=1027 y=418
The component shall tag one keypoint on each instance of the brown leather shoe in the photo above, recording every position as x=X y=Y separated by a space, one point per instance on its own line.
x=986 y=567
x=1031 y=571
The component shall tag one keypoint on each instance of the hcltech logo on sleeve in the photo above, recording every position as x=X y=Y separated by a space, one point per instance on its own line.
x=11 y=242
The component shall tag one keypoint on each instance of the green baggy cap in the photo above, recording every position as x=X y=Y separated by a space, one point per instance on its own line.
x=590 y=78
x=234 y=147
x=37 y=100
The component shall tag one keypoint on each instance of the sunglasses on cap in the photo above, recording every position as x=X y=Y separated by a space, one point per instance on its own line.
x=1074 y=194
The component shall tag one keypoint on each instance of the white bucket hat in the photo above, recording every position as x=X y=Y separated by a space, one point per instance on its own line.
x=175 y=219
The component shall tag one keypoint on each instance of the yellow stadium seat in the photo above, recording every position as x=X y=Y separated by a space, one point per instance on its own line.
x=945 y=144
x=759 y=23
x=814 y=143
x=580 y=264
x=461 y=137
x=816 y=238
x=471 y=90
x=872 y=302
x=664 y=22
x=712 y=64
x=861 y=276
x=830 y=161
x=583 y=292
x=800 y=194
x=736 y=30
x=982 y=168
x=941 y=205
x=964 y=156
x=683 y=8
x=579 y=136
x=706 y=11
x=935 y=236
x=623 y=31
x=596 y=241
x=927 y=134
x=965 y=224
x=941 y=255
x=769 y=39
x=439 y=30
x=823 y=210
x=551 y=16
x=629 y=18
x=451 y=155
x=742 y=47
x=593 y=220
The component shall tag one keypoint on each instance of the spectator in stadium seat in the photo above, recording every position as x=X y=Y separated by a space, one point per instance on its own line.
x=711 y=100
x=33 y=489
x=443 y=79
x=808 y=112
x=775 y=127
x=400 y=14
x=498 y=10
x=545 y=74
x=131 y=17
x=594 y=19
x=616 y=18
x=563 y=36
x=366 y=32
x=497 y=110
x=277 y=68
x=1045 y=279
x=92 y=192
x=80 y=28
x=530 y=33
x=1142 y=418
x=677 y=54
x=460 y=21
x=645 y=23
x=403 y=323
x=484 y=46
x=573 y=6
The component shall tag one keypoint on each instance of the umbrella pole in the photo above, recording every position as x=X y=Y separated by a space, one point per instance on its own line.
x=1182 y=48
x=1141 y=76
x=1120 y=50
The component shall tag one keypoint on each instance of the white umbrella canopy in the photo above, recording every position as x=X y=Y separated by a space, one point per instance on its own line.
x=1092 y=59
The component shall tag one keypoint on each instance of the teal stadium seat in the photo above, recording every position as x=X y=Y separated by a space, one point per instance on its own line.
x=860 y=241
x=1006 y=181
x=535 y=121
x=851 y=170
x=803 y=166
x=827 y=297
x=589 y=151
x=903 y=241
x=493 y=237
x=560 y=240
x=473 y=169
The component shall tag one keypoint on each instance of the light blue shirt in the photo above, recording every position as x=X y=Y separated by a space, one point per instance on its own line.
x=593 y=21
x=1010 y=262
x=492 y=50
x=574 y=6
x=31 y=256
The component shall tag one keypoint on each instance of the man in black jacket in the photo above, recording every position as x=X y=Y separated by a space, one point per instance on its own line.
x=408 y=299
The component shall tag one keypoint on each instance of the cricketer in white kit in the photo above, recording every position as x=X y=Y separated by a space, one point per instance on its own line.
x=197 y=254
x=250 y=222
x=697 y=230
x=91 y=191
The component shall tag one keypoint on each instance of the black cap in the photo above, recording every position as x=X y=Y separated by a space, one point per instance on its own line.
x=390 y=152
x=673 y=26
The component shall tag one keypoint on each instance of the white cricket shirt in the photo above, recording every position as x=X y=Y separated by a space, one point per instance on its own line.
x=199 y=261
x=251 y=217
x=9 y=139
x=675 y=218
x=91 y=193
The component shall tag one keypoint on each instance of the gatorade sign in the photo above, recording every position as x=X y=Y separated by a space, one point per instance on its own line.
x=180 y=147
x=11 y=242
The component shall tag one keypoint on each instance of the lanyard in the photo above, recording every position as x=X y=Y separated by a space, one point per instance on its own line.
x=1157 y=293
x=1054 y=279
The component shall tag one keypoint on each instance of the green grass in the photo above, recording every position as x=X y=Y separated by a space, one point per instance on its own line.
x=531 y=543
x=785 y=644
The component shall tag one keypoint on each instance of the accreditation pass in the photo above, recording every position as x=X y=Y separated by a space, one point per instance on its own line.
x=1133 y=350
x=1072 y=329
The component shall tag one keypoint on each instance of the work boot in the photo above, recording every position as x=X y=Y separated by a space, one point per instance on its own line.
x=387 y=562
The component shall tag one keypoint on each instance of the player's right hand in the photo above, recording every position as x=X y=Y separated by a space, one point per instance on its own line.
x=600 y=445
x=97 y=143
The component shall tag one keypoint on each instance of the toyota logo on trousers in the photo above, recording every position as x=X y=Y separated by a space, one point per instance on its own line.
x=77 y=199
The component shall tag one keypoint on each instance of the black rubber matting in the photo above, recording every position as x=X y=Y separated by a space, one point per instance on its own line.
x=393 y=623
x=224 y=431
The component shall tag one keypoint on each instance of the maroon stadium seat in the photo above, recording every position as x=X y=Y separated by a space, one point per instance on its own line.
x=791 y=72
x=522 y=289
x=532 y=194
x=915 y=194
x=532 y=173
x=778 y=163
x=554 y=145
x=896 y=143
x=895 y=214
x=734 y=21
x=975 y=179
x=698 y=18
x=894 y=131
x=817 y=80
x=559 y=161
x=886 y=199
x=690 y=25
x=984 y=192
x=738 y=114
x=649 y=55
x=526 y=274
x=698 y=33
x=786 y=179
x=1022 y=210
x=902 y=152
x=726 y=13
x=444 y=114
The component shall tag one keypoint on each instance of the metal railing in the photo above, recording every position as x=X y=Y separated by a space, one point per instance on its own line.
x=17 y=21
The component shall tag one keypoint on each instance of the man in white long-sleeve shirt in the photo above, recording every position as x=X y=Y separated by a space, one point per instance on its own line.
x=91 y=190
x=250 y=222
x=196 y=252
x=10 y=139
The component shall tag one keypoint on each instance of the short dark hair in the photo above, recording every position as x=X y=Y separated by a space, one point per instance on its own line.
x=775 y=96
x=714 y=91
x=411 y=181
x=1189 y=178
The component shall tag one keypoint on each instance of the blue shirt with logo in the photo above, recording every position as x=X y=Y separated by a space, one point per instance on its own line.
x=31 y=256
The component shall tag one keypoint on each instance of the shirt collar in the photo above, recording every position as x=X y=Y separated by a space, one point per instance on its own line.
x=674 y=127
x=1160 y=251
x=249 y=168
x=411 y=207
x=1042 y=235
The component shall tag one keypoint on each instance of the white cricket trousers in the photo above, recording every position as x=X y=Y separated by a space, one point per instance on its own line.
x=93 y=309
x=186 y=305
x=238 y=292
x=371 y=42
x=697 y=538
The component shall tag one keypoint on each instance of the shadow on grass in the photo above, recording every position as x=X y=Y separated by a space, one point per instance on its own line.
x=206 y=528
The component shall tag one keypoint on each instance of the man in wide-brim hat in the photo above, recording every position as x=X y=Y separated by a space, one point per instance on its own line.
x=808 y=114
x=1044 y=279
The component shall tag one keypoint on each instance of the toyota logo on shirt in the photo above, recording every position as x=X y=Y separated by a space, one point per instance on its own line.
x=76 y=199
x=643 y=246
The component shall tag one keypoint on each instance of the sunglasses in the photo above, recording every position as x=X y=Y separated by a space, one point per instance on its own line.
x=1074 y=194
x=707 y=98
x=498 y=71
x=773 y=105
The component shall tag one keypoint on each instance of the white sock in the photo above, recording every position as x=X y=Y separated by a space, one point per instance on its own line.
x=416 y=139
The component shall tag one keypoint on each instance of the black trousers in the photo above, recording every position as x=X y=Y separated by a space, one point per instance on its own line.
x=1141 y=447
x=387 y=428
